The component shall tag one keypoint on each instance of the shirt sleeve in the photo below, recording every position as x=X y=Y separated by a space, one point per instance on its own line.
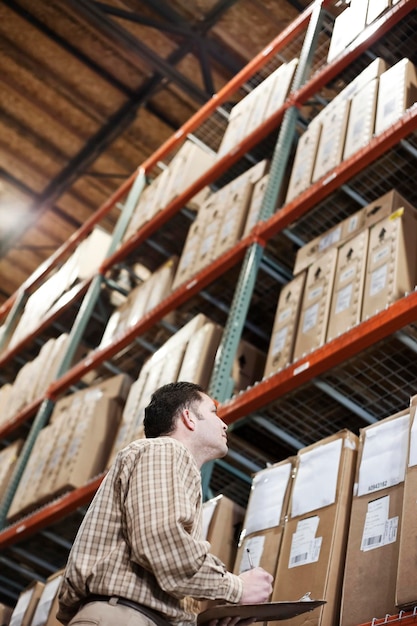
x=162 y=507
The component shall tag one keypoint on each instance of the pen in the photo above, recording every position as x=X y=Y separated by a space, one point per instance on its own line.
x=251 y=565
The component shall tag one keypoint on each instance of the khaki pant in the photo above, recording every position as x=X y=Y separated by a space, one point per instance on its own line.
x=107 y=614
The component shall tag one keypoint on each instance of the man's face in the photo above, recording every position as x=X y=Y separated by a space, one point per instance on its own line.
x=210 y=429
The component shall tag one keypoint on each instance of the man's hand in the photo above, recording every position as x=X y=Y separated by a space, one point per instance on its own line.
x=257 y=586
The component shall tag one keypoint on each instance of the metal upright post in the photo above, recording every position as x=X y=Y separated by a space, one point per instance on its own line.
x=14 y=313
x=74 y=339
x=221 y=383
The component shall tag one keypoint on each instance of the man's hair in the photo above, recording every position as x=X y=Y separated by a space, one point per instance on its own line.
x=165 y=405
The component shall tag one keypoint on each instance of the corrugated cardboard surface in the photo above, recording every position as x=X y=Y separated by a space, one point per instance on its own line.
x=392 y=261
x=406 y=588
x=315 y=308
x=264 y=540
x=397 y=91
x=322 y=578
x=346 y=306
x=332 y=138
x=283 y=334
x=26 y=605
x=371 y=559
x=361 y=119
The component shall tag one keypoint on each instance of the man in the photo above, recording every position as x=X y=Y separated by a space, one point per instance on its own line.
x=138 y=557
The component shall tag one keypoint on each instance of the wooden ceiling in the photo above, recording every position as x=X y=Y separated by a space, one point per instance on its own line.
x=89 y=90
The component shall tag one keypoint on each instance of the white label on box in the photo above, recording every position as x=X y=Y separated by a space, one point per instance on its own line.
x=378 y=530
x=380 y=254
x=310 y=317
x=305 y=547
x=284 y=314
x=348 y=274
x=21 y=607
x=412 y=459
x=378 y=280
x=331 y=238
x=315 y=293
x=45 y=602
x=344 y=298
x=266 y=498
x=384 y=455
x=316 y=479
x=353 y=223
x=255 y=545
x=279 y=340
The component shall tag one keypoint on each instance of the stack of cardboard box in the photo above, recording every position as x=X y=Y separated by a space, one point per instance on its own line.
x=190 y=162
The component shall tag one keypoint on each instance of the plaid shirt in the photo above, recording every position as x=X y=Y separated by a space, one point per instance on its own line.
x=141 y=538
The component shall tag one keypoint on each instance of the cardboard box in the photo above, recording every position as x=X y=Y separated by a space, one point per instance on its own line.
x=256 y=202
x=265 y=518
x=392 y=261
x=233 y=219
x=236 y=128
x=283 y=77
x=371 y=71
x=314 y=314
x=348 y=25
x=26 y=496
x=315 y=535
x=332 y=138
x=397 y=92
x=140 y=214
x=206 y=252
x=91 y=252
x=346 y=306
x=361 y=119
x=304 y=160
x=335 y=236
x=189 y=164
x=385 y=206
x=248 y=366
x=130 y=412
x=261 y=96
x=47 y=606
x=340 y=35
x=186 y=264
x=375 y=9
x=26 y=605
x=373 y=541
x=222 y=520
x=222 y=523
x=160 y=286
x=88 y=449
x=8 y=458
x=284 y=331
x=406 y=592
x=199 y=357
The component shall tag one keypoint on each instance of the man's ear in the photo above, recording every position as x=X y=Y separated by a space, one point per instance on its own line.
x=188 y=419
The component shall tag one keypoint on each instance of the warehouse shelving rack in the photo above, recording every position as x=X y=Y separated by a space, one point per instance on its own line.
x=304 y=371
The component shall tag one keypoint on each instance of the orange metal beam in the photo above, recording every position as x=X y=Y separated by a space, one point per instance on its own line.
x=12 y=424
x=49 y=514
x=175 y=299
x=404 y=618
x=53 y=314
x=354 y=341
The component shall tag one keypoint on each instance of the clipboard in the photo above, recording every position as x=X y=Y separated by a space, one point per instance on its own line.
x=261 y=612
